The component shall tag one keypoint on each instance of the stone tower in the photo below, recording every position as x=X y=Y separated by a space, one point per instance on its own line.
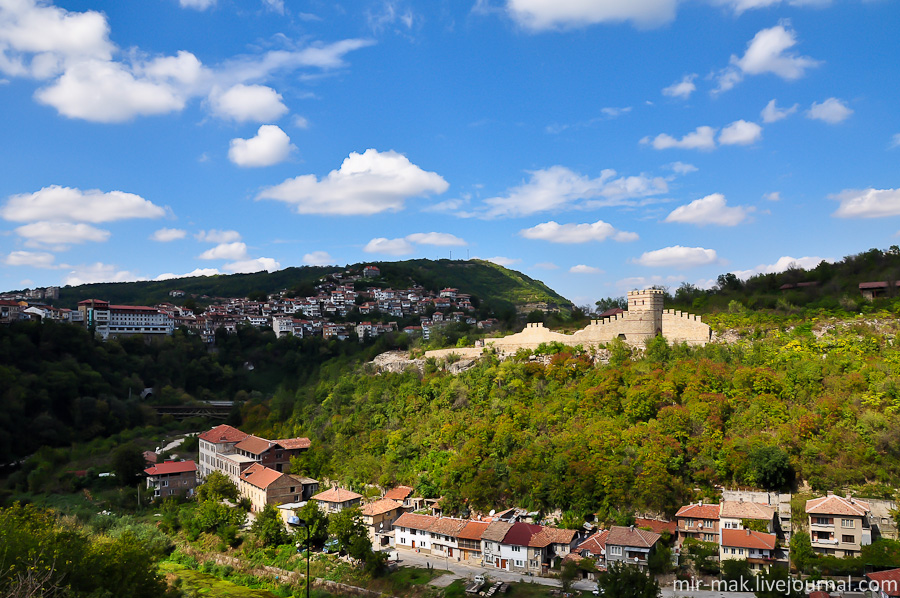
x=647 y=306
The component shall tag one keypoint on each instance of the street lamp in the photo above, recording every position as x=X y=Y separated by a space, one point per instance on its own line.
x=302 y=523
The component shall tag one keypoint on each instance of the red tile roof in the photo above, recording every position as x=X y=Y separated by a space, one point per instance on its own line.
x=473 y=530
x=520 y=534
x=888 y=581
x=836 y=505
x=745 y=538
x=699 y=511
x=552 y=535
x=260 y=476
x=626 y=536
x=170 y=467
x=293 y=443
x=399 y=493
x=254 y=445
x=746 y=510
x=596 y=544
x=448 y=526
x=223 y=433
x=336 y=495
x=385 y=505
x=656 y=525
x=414 y=521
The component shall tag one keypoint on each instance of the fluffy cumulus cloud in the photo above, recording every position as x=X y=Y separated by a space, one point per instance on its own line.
x=702 y=138
x=241 y=103
x=783 y=263
x=270 y=146
x=868 y=203
x=61 y=233
x=32 y=259
x=197 y=4
x=559 y=188
x=553 y=14
x=712 y=209
x=772 y=113
x=739 y=6
x=367 y=183
x=438 y=239
x=218 y=236
x=318 y=258
x=389 y=246
x=582 y=269
x=678 y=257
x=681 y=168
x=166 y=235
x=226 y=251
x=58 y=204
x=98 y=272
x=249 y=266
x=768 y=52
x=576 y=233
x=831 y=111
x=192 y=273
x=740 y=132
x=681 y=89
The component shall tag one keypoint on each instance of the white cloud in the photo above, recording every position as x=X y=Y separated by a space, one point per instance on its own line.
x=831 y=111
x=546 y=266
x=270 y=146
x=218 y=236
x=678 y=257
x=33 y=259
x=61 y=204
x=300 y=122
x=241 y=103
x=712 y=209
x=767 y=52
x=438 y=239
x=739 y=6
x=783 y=263
x=703 y=138
x=197 y=4
x=582 y=269
x=196 y=272
x=682 y=168
x=61 y=233
x=643 y=282
x=553 y=14
x=868 y=203
x=558 y=188
x=612 y=112
x=165 y=235
x=389 y=246
x=740 y=132
x=506 y=262
x=576 y=233
x=895 y=141
x=274 y=5
x=318 y=258
x=367 y=183
x=98 y=272
x=253 y=265
x=681 y=89
x=772 y=113
x=773 y=196
x=226 y=251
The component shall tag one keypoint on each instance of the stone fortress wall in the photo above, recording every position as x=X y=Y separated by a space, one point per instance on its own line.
x=644 y=320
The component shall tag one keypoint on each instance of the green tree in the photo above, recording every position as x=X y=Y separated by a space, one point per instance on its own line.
x=771 y=467
x=736 y=570
x=268 y=527
x=216 y=487
x=626 y=581
x=703 y=555
x=128 y=463
x=567 y=574
x=317 y=525
x=346 y=525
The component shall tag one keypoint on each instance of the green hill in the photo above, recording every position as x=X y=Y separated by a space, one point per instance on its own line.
x=495 y=286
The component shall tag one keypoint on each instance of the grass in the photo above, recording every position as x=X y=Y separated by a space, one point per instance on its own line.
x=413 y=576
x=203 y=584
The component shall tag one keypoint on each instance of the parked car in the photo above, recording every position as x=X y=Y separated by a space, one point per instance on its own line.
x=332 y=545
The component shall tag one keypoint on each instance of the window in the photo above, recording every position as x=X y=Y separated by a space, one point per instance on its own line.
x=615 y=550
x=520 y=563
x=847 y=523
x=402 y=540
x=822 y=520
x=846 y=539
x=517 y=549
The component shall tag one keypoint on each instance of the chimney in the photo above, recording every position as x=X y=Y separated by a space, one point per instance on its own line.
x=829 y=493
x=748 y=531
x=700 y=503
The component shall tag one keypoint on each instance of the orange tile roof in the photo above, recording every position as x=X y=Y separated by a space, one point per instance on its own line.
x=656 y=525
x=336 y=495
x=414 y=521
x=626 y=536
x=398 y=493
x=892 y=576
x=746 y=510
x=745 y=538
x=552 y=535
x=837 y=505
x=385 y=505
x=260 y=476
x=698 y=511
x=170 y=467
x=448 y=526
x=254 y=445
x=223 y=433
x=596 y=544
x=473 y=530
x=293 y=443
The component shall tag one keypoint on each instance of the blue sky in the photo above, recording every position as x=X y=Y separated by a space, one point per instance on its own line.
x=597 y=145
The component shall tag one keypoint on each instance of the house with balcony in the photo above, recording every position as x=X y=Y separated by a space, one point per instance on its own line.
x=335 y=500
x=630 y=545
x=172 y=478
x=698 y=521
x=445 y=536
x=491 y=538
x=838 y=526
x=469 y=540
x=757 y=548
x=739 y=514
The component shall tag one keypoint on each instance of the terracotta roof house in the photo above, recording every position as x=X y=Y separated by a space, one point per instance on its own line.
x=445 y=536
x=630 y=544
x=469 y=539
x=215 y=443
x=732 y=514
x=888 y=583
x=490 y=542
x=700 y=522
x=411 y=532
x=656 y=525
x=335 y=500
x=402 y=494
x=594 y=545
x=379 y=517
x=265 y=486
x=838 y=526
x=172 y=477
x=757 y=548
